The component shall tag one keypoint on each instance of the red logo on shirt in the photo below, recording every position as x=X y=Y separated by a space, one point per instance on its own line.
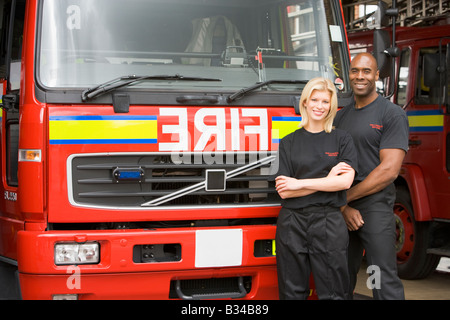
x=376 y=126
x=332 y=154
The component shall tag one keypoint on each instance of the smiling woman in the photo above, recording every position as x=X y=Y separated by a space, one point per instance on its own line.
x=319 y=94
x=316 y=167
x=317 y=107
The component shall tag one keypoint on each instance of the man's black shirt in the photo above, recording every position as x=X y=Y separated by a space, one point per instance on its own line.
x=379 y=125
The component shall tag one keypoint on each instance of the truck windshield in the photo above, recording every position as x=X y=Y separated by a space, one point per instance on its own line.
x=84 y=43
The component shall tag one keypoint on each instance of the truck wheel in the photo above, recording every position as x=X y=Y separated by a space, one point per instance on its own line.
x=9 y=282
x=413 y=262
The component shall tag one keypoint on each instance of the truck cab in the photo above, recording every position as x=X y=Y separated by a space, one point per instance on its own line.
x=139 y=139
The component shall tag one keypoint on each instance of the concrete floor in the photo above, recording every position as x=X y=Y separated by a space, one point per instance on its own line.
x=435 y=287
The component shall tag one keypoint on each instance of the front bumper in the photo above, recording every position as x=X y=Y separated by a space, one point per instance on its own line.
x=120 y=276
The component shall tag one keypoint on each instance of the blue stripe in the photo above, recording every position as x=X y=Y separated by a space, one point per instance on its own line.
x=81 y=118
x=424 y=112
x=286 y=118
x=426 y=129
x=276 y=140
x=104 y=141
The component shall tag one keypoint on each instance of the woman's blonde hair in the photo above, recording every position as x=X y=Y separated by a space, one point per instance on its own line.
x=319 y=84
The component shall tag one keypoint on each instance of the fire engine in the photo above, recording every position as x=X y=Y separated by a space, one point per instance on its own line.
x=420 y=84
x=138 y=139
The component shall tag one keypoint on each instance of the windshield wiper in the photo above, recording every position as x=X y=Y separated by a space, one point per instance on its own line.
x=242 y=92
x=129 y=80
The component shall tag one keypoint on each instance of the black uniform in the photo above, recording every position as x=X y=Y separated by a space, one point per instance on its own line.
x=379 y=125
x=311 y=232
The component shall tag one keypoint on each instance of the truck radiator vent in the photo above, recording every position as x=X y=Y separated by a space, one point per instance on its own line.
x=136 y=180
x=213 y=288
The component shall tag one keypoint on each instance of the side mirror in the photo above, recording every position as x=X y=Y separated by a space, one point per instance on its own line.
x=431 y=74
x=381 y=16
x=381 y=43
x=436 y=74
x=383 y=53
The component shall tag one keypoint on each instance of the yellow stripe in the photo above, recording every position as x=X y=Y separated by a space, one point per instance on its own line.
x=280 y=129
x=103 y=129
x=426 y=121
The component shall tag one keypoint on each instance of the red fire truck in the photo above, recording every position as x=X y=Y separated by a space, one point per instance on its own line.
x=422 y=88
x=138 y=139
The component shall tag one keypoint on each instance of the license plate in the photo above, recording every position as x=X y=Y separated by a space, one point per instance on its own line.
x=218 y=248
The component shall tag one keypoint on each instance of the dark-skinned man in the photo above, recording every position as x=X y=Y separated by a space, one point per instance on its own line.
x=379 y=129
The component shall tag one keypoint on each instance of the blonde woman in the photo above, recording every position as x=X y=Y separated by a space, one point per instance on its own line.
x=316 y=169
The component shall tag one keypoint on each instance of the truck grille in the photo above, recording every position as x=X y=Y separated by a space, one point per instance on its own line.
x=137 y=179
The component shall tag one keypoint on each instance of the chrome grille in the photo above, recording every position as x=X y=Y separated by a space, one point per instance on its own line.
x=94 y=182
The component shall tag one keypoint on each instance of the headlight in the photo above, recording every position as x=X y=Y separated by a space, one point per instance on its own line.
x=77 y=253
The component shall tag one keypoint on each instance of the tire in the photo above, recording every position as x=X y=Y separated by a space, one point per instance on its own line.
x=9 y=282
x=412 y=241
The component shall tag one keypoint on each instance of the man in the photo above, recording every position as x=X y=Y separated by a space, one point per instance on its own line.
x=380 y=133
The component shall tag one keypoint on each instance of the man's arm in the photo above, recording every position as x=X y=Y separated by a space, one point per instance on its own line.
x=380 y=177
x=383 y=175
